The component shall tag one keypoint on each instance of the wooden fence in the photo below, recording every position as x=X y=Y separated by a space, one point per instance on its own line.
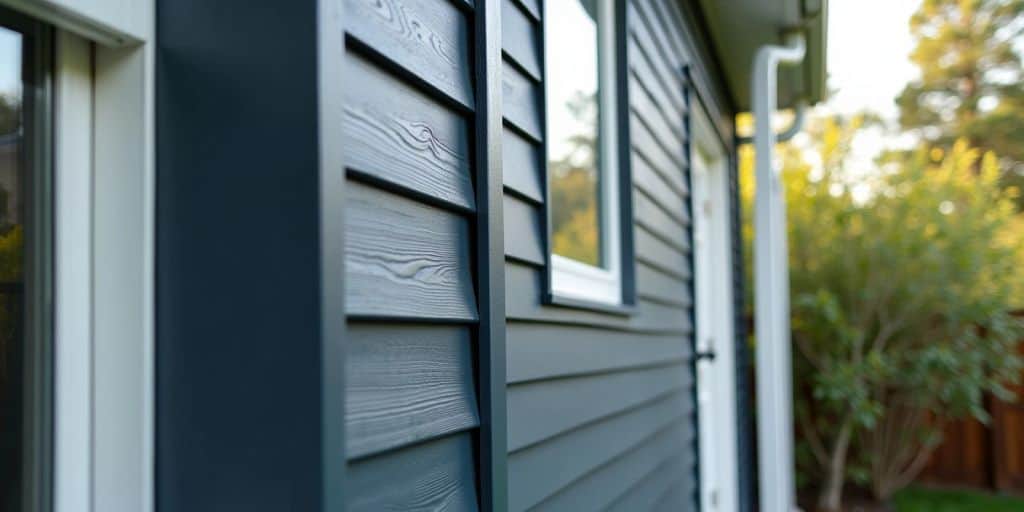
x=975 y=455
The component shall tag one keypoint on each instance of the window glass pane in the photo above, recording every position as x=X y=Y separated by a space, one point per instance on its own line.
x=12 y=341
x=572 y=134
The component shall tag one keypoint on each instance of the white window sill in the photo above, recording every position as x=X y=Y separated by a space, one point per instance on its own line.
x=577 y=281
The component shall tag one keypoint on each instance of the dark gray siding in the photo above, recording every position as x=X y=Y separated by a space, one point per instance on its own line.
x=601 y=409
x=412 y=413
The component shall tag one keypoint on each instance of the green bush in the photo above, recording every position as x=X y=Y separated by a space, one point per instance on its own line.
x=902 y=282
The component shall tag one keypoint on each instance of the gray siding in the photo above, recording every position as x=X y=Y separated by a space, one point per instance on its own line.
x=412 y=413
x=601 y=406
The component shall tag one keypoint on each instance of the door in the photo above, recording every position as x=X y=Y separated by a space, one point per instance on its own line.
x=716 y=394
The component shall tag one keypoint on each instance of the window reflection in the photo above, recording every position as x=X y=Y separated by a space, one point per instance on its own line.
x=12 y=349
x=572 y=131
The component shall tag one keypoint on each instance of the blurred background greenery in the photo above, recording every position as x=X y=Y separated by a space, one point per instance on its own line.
x=907 y=271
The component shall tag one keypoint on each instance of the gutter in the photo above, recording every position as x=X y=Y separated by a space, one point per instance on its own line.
x=771 y=277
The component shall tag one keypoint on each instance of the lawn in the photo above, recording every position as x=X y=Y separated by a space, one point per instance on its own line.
x=931 y=500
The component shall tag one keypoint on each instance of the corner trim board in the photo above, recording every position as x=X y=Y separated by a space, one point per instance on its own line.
x=330 y=78
x=490 y=258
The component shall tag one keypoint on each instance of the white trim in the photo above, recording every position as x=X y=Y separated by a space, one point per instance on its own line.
x=123 y=279
x=104 y=236
x=570 y=278
x=716 y=379
x=72 y=206
x=108 y=22
x=576 y=280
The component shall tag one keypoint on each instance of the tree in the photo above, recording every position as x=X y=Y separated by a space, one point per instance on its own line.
x=901 y=282
x=575 y=215
x=972 y=82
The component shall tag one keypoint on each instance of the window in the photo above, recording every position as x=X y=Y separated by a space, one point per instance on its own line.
x=25 y=344
x=582 y=152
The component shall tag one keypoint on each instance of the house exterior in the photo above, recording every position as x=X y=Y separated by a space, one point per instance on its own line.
x=382 y=254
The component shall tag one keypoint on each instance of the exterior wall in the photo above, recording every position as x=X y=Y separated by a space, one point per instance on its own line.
x=412 y=413
x=239 y=360
x=601 y=405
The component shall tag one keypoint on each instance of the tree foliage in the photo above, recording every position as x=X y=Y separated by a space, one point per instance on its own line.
x=575 y=215
x=971 y=83
x=901 y=284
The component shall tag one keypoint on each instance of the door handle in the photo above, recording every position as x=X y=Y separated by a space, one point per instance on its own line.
x=704 y=354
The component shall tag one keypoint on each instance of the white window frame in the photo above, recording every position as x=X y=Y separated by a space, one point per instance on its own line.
x=103 y=252
x=570 y=278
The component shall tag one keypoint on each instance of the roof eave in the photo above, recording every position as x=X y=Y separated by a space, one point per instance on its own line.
x=738 y=28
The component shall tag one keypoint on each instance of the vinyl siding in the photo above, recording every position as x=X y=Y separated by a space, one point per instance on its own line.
x=411 y=400
x=601 y=406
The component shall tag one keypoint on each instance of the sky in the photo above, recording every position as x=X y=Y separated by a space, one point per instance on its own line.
x=572 y=62
x=10 y=62
x=868 y=54
x=869 y=45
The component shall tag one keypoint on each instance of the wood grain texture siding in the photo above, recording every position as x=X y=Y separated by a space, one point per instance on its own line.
x=405 y=259
x=667 y=17
x=429 y=38
x=520 y=38
x=649 y=25
x=523 y=293
x=651 y=486
x=655 y=156
x=653 y=284
x=679 y=498
x=599 y=488
x=532 y=7
x=584 y=399
x=670 y=135
x=665 y=85
x=585 y=387
x=672 y=178
x=541 y=470
x=523 y=227
x=667 y=68
x=656 y=220
x=660 y=191
x=672 y=155
x=661 y=318
x=656 y=253
x=522 y=166
x=521 y=101
x=438 y=475
x=407 y=384
x=396 y=134
x=542 y=351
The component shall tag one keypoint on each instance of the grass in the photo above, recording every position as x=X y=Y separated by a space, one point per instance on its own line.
x=919 y=499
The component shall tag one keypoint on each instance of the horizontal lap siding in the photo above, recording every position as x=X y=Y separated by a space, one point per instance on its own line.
x=428 y=476
x=410 y=384
x=411 y=402
x=600 y=406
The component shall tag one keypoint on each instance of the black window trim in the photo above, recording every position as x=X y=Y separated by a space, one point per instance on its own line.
x=37 y=161
x=627 y=267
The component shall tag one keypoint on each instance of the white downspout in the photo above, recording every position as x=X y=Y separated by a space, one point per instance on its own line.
x=771 y=303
